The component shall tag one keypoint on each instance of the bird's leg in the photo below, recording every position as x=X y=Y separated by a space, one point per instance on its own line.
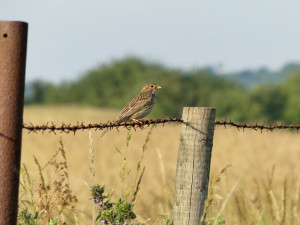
x=136 y=121
x=139 y=122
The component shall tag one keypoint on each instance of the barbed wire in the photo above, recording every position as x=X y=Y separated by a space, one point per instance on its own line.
x=67 y=128
x=256 y=126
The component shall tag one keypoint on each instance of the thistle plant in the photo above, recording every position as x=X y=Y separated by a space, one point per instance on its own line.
x=118 y=213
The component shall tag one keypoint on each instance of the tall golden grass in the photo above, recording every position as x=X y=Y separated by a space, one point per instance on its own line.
x=259 y=185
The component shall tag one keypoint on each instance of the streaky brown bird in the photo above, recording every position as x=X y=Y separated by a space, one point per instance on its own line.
x=140 y=106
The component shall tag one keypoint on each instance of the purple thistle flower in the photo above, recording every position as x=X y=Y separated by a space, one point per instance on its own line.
x=95 y=200
x=132 y=223
x=103 y=221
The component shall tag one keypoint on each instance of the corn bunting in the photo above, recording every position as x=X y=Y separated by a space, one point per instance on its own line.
x=140 y=106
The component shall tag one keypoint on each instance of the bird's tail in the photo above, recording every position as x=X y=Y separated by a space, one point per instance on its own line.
x=107 y=129
x=104 y=132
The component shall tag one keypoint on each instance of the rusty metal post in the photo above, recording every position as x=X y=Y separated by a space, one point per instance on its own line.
x=13 y=45
x=193 y=165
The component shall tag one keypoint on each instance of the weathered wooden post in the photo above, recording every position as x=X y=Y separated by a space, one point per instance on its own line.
x=193 y=165
x=13 y=45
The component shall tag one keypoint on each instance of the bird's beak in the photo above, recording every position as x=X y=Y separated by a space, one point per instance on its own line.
x=158 y=87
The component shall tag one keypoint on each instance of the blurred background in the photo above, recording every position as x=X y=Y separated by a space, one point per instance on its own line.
x=240 y=57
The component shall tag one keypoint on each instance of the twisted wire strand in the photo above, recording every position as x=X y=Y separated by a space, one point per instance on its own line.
x=67 y=128
x=256 y=126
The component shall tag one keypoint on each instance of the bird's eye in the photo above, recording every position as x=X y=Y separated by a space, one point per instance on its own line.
x=152 y=85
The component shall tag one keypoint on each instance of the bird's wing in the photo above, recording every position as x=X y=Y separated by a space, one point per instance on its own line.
x=135 y=105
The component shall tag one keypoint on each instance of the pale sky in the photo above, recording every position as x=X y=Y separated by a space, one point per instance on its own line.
x=69 y=37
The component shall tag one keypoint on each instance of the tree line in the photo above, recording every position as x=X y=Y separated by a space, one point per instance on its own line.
x=114 y=84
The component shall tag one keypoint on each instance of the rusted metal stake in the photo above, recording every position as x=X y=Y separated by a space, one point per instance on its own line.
x=13 y=45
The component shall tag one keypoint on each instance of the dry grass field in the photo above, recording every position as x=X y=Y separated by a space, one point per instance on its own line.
x=260 y=187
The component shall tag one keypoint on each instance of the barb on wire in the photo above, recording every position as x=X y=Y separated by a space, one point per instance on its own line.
x=256 y=126
x=67 y=128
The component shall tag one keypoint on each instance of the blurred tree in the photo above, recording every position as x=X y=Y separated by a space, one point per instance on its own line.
x=292 y=90
x=36 y=91
x=271 y=102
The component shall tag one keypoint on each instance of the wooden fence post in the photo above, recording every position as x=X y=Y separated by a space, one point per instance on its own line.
x=193 y=165
x=13 y=45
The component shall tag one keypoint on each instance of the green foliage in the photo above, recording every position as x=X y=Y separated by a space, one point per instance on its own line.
x=269 y=103
x=114 y=84
x=26 y=218
x=291 y=88
x=168 y=222
x=218 y=221
x=52 y=222
x=109 y=212
x=35 y=92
